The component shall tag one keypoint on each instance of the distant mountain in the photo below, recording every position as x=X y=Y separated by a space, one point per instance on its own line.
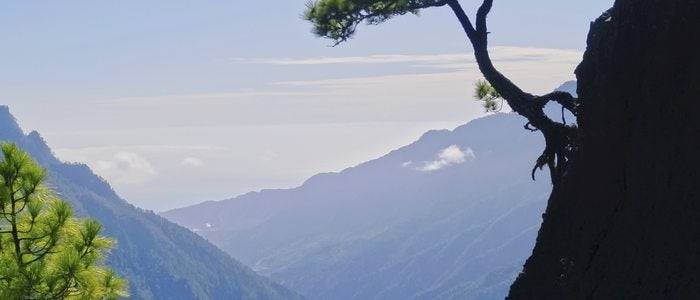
x=451 y=216
x=160 y=259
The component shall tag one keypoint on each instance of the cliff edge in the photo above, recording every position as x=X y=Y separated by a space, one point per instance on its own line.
x=625 y=222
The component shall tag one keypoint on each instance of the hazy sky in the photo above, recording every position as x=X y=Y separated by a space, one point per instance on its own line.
x=178 y=102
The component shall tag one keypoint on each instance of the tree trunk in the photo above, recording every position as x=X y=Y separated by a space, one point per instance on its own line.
x=625 y=221
x=559 y=137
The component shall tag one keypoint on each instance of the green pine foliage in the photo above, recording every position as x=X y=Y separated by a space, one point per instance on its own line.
x=338 y=19
x=45 y=253
x=492 y=100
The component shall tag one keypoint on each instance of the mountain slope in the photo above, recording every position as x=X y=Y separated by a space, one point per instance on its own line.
x=160 y=259
x=451 y=216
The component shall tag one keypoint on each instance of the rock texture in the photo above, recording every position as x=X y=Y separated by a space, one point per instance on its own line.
x=625 y=223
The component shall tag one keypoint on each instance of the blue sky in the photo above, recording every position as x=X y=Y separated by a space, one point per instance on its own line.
x=177 y=102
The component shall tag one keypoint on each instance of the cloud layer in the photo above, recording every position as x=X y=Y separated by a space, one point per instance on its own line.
x=448 y=60
x=288 y=122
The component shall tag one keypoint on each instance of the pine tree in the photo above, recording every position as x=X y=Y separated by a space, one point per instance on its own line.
x=46 y=253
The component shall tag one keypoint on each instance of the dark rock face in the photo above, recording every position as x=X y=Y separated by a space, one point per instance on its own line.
x=625 y=223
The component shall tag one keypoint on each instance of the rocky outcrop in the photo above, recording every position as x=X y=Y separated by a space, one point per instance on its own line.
x=625 y=222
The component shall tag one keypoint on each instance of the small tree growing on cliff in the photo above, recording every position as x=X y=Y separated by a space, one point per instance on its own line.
x=338 y=20
x=45 y=253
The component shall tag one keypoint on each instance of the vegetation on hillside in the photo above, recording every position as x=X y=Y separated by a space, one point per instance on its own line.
x=160 y=259
x=45 y=253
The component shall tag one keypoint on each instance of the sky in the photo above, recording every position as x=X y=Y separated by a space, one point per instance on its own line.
x=179 y=102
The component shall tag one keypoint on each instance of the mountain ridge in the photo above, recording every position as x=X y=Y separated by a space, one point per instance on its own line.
x=159 y=258
x=391 y=228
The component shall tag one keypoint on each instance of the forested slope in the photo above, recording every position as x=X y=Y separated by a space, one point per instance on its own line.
x=160 y=259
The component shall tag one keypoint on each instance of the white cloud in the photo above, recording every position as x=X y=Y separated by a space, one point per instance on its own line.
x=125 y=168
x=79 y=154
x=449 y=78
x=452 y=155
x=200 y=99
x=449 y=60
x=385 y=88
x=370 y=59
x=192 y=162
